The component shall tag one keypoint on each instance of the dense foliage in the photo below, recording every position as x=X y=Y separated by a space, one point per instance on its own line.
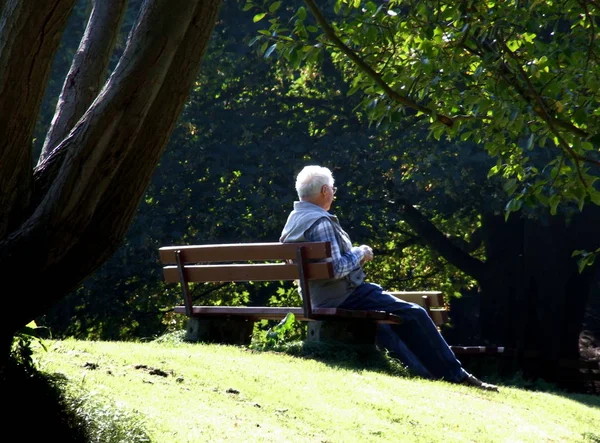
x=519 y=78
x=433 y=207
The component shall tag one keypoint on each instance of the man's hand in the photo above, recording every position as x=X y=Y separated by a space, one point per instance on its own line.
x=368 y=254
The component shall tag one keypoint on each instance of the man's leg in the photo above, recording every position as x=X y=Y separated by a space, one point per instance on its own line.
x=389 y=340
x=417 y=341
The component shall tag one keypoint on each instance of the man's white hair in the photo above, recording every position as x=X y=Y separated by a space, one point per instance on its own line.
x=311 y=179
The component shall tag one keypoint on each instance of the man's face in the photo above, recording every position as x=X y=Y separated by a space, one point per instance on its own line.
x=329 y=195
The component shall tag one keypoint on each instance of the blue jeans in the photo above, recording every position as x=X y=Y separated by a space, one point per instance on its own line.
x=416 y=342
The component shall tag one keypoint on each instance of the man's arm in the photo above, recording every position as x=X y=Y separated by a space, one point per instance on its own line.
x=323 y=230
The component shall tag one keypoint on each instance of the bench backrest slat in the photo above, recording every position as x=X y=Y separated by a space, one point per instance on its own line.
x=253 y=272
x=243 y=252
x=436 y=298
x=235 y=262
x=432 y=301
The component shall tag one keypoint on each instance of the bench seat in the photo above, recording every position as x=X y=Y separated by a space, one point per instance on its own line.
x=278 y=313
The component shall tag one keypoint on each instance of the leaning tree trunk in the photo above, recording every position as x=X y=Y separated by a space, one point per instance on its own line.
x=86 y=191
x=30 y=33
x=88 y=71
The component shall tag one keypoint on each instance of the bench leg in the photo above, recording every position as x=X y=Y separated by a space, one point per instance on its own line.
x=235 y=331
x=348 y=332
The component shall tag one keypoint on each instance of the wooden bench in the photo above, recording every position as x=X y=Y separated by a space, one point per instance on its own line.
x=242 y=262
x=258 y=262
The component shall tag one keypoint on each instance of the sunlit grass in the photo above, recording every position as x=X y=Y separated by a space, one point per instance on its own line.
x=197 y=392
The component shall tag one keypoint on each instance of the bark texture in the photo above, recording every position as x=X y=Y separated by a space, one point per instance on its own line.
x=29 y=38
x=87 y=188
x=88 y=70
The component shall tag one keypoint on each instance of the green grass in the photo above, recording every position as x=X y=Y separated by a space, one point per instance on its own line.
x=183 y=392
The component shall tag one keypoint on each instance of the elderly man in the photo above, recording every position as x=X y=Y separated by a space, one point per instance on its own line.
x=417 y=341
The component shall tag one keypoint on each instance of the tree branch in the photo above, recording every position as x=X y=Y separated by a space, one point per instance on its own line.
x=541 y=109
x=590 y=51
x=508 y=77
x=440 y=243
x=88 y=70
x=362 y=65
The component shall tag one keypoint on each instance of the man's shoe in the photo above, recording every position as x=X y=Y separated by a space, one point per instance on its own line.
x=471 y=380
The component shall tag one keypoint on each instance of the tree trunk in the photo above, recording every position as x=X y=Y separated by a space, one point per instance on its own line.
x=30 y=33
x=87 y=189
x=502 y=283
x=88 y=70
x=534 y=297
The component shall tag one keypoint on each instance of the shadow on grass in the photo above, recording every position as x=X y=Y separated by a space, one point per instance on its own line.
x=34 y=402
x=37 y=404
x=358 y=358
x=344 y=356
x=499 y=370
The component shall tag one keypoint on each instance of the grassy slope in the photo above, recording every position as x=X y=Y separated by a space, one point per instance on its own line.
x=197 y=393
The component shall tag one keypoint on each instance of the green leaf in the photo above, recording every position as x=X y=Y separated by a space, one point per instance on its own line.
x=494 y=170
x=277 y=333
x=301 y=14
x=587 y=146
x=594 y=196
x=510 y=186
x=513 y=205
x=259 y=17
x=554 y=201
x=274 y=7
x=529 y=143
x=313 y=56
x=337 y=7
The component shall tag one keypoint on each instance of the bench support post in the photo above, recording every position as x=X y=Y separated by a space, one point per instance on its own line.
x=347 y=332
x=304 y=286
x=231 y=330
x=187 y=298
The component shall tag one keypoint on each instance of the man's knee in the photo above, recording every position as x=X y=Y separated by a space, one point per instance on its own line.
x=417 y=312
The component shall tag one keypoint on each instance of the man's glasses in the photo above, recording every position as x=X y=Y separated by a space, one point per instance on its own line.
x=333 y=189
